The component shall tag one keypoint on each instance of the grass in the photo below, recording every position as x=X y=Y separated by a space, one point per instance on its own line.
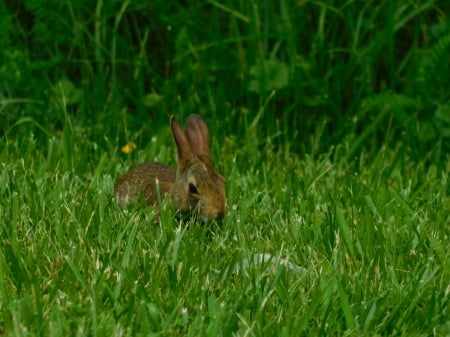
x=371 y=235
x=329 y=122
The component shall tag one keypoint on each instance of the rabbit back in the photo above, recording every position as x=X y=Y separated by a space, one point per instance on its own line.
x=140 y=183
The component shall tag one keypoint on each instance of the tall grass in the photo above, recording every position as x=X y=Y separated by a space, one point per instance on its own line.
x=317 y=61
x=370 y=238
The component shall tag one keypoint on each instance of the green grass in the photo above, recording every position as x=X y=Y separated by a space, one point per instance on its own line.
x=372 y=235
x=329 y=120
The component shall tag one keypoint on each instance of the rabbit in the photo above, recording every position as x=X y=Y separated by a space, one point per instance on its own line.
x=194 y=186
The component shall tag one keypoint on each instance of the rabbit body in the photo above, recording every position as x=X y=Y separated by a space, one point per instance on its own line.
x=194 y=186
x=143 y=182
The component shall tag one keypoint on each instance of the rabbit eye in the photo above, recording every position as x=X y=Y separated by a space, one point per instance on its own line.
x=192 y=189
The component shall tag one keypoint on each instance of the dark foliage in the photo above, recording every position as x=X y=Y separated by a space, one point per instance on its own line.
x=304 y=63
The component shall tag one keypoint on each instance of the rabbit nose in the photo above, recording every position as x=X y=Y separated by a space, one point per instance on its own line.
x=220 y=214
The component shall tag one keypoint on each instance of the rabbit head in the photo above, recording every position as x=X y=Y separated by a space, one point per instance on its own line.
x=197 y=187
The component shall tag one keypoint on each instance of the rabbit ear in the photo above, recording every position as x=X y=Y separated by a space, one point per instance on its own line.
x=183 y=146
x=197 y=134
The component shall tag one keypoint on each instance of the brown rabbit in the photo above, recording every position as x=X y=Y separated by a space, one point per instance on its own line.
x=193 y=186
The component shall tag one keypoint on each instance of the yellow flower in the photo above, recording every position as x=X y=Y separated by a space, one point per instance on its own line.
x=128 y=148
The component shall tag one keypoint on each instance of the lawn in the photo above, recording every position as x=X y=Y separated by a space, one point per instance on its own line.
x=334 y=148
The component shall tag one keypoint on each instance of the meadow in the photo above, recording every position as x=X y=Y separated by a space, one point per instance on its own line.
x=330 y=123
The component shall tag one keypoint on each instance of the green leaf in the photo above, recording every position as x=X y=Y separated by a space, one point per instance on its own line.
x=343 y=227
x=268 y=75
x=152 y=99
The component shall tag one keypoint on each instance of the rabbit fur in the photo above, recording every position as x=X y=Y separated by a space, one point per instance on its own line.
x=194 y=186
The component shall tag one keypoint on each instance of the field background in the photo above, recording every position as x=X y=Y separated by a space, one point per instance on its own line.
x=330 y=122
